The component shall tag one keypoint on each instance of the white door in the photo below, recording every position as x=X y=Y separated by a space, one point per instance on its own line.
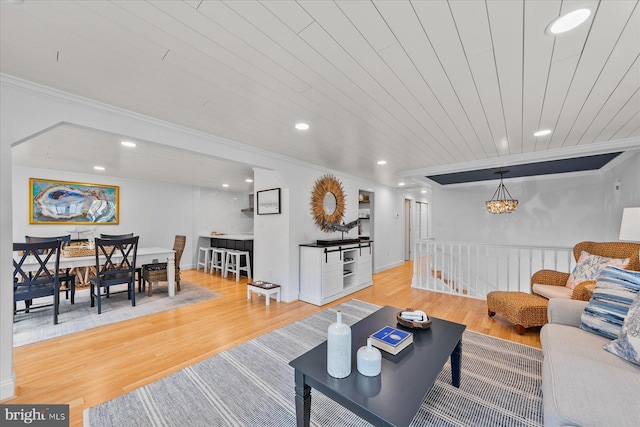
x=423 y=215
x=407 y=228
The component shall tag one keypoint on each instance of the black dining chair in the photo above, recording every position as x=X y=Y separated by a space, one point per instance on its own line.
x=35 y=275
x=66 y=277
x=125 y=236
x=118 y=266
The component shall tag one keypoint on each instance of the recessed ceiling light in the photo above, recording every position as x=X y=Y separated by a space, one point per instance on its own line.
x=225 y=185
x=568 y=22
x=248 y=180
x=382 y=162
x=401 y=184
x=424 y=191
x=302 y=126
x=128 y=143
x=542 y=132
x=99 y=168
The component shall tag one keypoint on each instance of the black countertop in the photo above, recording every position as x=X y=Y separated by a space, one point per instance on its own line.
x=337 y=242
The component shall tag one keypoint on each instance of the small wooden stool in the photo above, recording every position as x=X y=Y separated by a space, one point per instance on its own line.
x=522 y=309
x=264 y=288
x=206 y=251
x=233 y=263
x=218 y=257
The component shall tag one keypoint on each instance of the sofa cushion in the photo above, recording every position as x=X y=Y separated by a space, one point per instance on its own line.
x=627 y=345
x=584 y=385
x=580 y=390
x=573 y=341
x=551 y=291
x=589 y=267
x=614 y=292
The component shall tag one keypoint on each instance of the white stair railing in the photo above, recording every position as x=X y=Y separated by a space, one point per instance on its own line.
x=474 y=269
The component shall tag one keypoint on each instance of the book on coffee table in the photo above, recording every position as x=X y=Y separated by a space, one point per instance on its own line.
x=391 y=340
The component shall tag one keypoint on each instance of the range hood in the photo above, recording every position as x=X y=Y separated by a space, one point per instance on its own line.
x=250 y=208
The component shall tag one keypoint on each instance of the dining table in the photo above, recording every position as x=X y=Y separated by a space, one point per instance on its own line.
x=143 y=256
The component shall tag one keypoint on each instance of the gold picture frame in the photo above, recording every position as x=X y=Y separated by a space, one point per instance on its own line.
x=65 y=202
x=327 y=202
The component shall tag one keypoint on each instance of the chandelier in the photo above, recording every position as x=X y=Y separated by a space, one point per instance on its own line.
x=501 y=202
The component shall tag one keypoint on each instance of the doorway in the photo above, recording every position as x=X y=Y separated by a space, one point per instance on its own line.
x=423 y=220
x=407 y=229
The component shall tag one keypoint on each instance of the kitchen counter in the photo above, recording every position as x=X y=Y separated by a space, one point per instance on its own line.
x=240 y=242
x=229 y=236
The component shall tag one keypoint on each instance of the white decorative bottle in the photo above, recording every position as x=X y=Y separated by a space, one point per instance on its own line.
x=369 y=360
x=339 y=349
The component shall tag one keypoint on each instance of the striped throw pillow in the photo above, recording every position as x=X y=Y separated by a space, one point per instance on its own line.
x=615 y=290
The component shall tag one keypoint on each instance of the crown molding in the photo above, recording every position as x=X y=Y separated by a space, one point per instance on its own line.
x=55 y=95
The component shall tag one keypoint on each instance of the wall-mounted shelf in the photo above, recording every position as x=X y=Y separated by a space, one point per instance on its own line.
x=365 y=213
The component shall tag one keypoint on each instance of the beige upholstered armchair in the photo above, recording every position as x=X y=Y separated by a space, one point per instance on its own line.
x=605 y=249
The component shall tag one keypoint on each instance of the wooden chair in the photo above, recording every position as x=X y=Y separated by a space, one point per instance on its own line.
x=118 y=267
x=30 y=283
x=528 y=310
x=65 y=277
x=158 y=272
x=619 y=250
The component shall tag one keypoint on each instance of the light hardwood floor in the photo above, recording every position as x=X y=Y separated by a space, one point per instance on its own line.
x=91 y=367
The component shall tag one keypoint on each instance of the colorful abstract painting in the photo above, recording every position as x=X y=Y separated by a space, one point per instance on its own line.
x=62 y=202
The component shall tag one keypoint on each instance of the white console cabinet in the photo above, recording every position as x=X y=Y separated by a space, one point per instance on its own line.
x=329 y=272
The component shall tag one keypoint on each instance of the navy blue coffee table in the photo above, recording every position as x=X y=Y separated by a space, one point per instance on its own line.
x=393 y=397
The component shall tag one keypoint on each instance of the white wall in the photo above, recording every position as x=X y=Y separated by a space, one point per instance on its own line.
x=388 y=227
x=414 y=216
x=554 y=211
x=220 y=211
x=272 y=247
x=628 y=175
x=154 y=211
x=7 y=376
x=277 y=237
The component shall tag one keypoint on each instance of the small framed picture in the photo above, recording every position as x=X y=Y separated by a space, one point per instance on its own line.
x=268 y=201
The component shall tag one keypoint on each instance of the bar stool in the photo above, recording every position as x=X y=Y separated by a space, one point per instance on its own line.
x=218 y=258
x=204 y=263
x=234 y=263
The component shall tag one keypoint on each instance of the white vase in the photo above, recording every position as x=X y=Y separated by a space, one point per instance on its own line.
x=369 y=360
x=339 y=349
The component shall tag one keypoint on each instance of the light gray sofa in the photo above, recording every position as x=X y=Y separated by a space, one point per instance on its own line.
x=582 y=384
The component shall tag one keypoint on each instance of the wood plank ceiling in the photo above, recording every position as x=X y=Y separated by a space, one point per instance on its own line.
x=419 y=84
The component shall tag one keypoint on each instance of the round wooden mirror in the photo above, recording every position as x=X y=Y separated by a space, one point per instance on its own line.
x=327 y=202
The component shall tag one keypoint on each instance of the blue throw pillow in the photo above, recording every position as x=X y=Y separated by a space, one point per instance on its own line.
x=627 y=345
x=614 y=293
